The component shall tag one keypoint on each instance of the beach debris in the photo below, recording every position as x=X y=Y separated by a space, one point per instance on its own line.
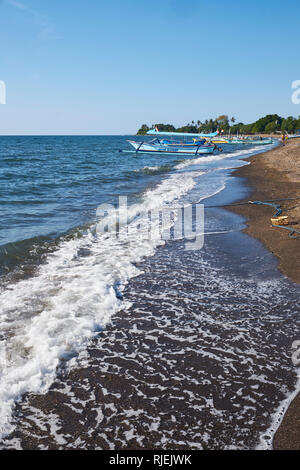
x=278 y=220
x=281 y=220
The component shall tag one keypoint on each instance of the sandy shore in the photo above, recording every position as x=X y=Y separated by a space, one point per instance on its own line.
x=272 y=176
x=276 y=175
x=185 y=364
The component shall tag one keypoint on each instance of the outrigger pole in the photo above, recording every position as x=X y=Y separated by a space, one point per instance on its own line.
x=182 y=134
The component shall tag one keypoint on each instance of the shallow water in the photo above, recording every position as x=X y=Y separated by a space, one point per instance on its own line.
x=220 y=309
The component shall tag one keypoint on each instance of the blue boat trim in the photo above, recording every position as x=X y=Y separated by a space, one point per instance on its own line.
x=186 y=134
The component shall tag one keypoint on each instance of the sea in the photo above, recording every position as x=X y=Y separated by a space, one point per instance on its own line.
x=116 y=332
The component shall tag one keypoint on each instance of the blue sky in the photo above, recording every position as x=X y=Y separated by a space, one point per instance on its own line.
x=108 y=66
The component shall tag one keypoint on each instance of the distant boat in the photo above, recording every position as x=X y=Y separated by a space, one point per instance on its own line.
x=220 y=140
x=251 y=140
x=196 y=145
x=294 y=136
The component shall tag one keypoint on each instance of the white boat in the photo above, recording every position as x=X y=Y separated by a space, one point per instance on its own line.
x=197 y=145
x=294 y=136
x=256 y=140
x=157 y=147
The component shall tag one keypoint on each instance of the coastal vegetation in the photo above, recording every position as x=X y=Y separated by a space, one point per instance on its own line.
x=272 y=123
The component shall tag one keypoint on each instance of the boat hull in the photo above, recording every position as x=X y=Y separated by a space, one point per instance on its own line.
x=251 y=142
x=141 y=147
x=219 y=141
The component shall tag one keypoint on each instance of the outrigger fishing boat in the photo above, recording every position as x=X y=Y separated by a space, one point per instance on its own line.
x=293 y=136
x=196 y=145
x=255 y=140
x=220 y=140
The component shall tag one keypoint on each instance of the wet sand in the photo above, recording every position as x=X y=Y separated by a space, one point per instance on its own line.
x=178 y=370
x=272 y=176
x=187 y=365
x=276 y=175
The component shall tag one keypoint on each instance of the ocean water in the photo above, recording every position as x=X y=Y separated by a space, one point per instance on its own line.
x=64 y=286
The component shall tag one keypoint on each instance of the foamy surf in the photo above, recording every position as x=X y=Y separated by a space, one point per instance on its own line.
x=153 y=170
x=266 y=438
x=222 y=156
x=51 y=316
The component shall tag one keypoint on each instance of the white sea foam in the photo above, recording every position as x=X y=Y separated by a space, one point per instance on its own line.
x=221 y=156
x=266 y=439
x=51 y=316
x=150 y=168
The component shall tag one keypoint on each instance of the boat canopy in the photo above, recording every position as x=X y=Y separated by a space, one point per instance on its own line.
x=178 y=134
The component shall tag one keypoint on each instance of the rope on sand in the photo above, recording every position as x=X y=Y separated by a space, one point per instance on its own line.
x=251 y=202
x=295 y=234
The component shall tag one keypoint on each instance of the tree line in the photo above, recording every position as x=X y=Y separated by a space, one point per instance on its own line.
x=272 y=123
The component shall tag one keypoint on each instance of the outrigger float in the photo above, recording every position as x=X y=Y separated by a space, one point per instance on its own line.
x=197 y=145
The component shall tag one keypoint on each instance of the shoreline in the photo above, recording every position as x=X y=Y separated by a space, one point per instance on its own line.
x=165 y=348
x=158 y=375
x=281 y=184
x=270 y=176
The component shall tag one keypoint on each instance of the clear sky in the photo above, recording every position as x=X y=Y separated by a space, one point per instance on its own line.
x=108 y=66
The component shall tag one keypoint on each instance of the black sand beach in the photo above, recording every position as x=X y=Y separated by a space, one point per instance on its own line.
x=200 y=360
x=275 y=175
